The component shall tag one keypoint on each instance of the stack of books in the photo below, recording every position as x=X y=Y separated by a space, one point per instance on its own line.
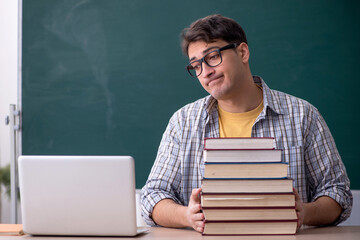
x=246 y=189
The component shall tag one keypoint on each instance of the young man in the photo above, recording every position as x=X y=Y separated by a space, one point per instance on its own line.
x=241 y=105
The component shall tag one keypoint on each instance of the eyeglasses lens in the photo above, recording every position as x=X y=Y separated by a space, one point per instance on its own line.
x=212 y=59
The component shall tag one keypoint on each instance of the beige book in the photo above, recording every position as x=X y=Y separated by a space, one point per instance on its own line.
x=251 y=228
x=248 y=200
x=246 y=170
x=231 y=214
x=247 y=185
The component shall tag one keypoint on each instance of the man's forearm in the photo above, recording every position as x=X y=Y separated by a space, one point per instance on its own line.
x=323 y=211
x=167 y=213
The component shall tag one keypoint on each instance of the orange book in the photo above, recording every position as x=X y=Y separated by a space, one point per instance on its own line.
x=11 y=230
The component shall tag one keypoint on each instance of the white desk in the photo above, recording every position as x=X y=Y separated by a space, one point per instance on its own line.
x=325 y=233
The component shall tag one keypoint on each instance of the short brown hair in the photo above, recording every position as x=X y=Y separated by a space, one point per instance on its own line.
x=211 y=28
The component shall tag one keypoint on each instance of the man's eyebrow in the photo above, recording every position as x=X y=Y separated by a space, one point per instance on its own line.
x=205 y=51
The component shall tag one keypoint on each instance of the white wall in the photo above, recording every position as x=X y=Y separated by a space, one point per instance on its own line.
x=354 y=219
x=8 y=84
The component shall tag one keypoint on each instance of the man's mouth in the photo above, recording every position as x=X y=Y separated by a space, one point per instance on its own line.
x=213 y=80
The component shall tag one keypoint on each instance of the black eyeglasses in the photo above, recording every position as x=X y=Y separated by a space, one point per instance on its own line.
x=212 y=59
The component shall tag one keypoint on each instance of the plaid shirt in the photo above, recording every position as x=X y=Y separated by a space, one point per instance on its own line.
x=298 y=129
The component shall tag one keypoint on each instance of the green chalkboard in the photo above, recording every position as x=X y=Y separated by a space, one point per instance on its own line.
x=103 y=77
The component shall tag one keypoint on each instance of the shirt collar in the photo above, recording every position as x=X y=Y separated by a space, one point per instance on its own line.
x=270 y=101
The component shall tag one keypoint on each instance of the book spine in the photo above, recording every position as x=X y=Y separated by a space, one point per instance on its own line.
x=243 y=155
x=242 y=149
x=226 y=163
x=249 y=208
x=277 y=234
x=249 y=221
x=238 y=138
x=225 y=179
x=273 y=193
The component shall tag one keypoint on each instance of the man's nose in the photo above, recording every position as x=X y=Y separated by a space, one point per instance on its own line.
x=207 y=71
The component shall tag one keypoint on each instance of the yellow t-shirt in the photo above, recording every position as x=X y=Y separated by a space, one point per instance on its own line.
x=238 y=124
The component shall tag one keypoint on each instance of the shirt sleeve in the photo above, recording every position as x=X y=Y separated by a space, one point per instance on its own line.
x=164 y=180
x=326 y=173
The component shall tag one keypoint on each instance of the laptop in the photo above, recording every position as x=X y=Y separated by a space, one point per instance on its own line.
x=78 y=195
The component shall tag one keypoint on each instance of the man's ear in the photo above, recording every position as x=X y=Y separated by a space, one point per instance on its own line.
x=243 y=51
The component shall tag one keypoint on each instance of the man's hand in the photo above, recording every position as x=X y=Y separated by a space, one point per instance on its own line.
x=299 y=209
x=322 y=211
x=194 y=216
x=167 y=213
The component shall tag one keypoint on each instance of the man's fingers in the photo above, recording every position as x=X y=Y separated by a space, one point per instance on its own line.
x=298 y=202
x=195 y=195
x=298 y=206
x=199 y=226
x=198 y=217
x=200 y=229
x=297 y=196
x=299 y=223
x=194 y=208
x=195 y=217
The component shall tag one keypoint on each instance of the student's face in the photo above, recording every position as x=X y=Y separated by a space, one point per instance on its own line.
x=223 y=81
